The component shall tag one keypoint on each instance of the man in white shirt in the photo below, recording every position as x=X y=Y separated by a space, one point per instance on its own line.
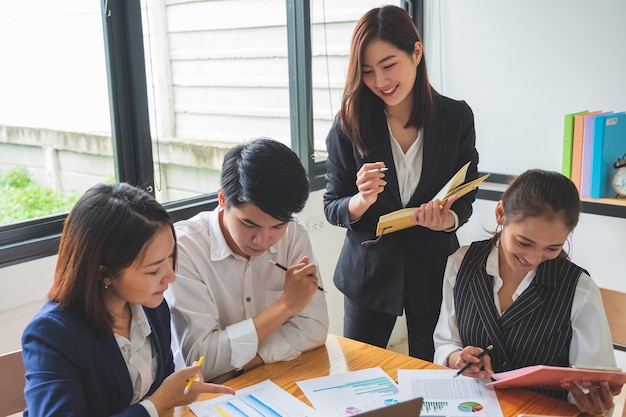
x=231 y=303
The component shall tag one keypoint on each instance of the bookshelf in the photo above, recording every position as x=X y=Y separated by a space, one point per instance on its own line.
x=613 y=207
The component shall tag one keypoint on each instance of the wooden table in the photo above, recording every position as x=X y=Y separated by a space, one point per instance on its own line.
x=342 y=355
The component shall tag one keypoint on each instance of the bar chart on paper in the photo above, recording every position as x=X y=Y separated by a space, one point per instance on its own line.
x=265 y=399
x=350 y=393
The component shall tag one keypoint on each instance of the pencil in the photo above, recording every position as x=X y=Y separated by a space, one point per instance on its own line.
x=193 y=378
x=480 y=355
x=284 y=268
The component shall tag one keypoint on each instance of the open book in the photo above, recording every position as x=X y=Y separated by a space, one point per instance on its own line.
x=401 y=219
x=543 y=376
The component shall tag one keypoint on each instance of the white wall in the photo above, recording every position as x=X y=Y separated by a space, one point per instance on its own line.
x=523 y=65
x=23 y=288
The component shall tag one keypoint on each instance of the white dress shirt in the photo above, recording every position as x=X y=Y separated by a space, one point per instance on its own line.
x=409 y=169
x=591 y=338
x=217 y=293
x=138 y=354
x=408 y=165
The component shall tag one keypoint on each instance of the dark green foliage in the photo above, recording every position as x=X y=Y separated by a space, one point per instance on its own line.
x=21 y=198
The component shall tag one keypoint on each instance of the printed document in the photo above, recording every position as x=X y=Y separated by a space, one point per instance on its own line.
x=265 y=399
x=447 y=396
x=350 y=393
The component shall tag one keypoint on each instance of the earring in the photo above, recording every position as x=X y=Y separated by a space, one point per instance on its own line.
x=106 y=285
x=496 y=235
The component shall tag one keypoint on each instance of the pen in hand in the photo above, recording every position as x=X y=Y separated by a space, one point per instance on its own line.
x=480 y=355
x=284 y=268
x=193 y=378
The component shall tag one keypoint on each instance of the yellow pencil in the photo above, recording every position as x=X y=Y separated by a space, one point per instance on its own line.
x=193 y=378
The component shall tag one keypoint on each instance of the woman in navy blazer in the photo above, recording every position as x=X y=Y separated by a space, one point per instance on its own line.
x=101 y=345
x=392 y=118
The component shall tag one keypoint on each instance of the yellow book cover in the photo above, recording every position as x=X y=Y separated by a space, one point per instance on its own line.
x=401 y=219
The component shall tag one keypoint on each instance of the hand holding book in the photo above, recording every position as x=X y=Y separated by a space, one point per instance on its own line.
x=401 y=219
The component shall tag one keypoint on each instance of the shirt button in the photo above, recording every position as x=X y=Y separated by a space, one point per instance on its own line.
x=248 y=299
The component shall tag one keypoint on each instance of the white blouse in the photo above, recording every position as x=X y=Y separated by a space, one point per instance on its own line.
x=408 y=165
x=139 y=356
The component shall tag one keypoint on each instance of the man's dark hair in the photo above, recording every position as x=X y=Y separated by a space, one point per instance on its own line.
x=266 y=173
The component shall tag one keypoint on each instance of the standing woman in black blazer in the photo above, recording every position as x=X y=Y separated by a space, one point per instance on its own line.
x=392 y=117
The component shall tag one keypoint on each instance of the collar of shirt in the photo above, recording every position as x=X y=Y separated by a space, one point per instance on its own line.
x=219 y=249
x=408 y=166
x=138 y=353
x=493 y=269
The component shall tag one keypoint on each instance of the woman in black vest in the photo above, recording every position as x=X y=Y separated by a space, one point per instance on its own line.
x=519 y=292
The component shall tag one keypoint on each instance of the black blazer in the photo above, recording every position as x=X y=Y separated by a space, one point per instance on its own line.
x=408 y=264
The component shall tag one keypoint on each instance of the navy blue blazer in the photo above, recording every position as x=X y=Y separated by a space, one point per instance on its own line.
x=73 y=371
x=405 y=267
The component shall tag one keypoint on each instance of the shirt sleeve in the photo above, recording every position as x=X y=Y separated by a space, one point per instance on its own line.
x=446 y=336
x=591 y=337
x=456 y=223
x=195 y=313
x=150 y=408
x=309 y=328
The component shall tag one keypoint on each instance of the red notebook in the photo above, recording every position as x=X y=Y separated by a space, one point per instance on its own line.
x=542 y=376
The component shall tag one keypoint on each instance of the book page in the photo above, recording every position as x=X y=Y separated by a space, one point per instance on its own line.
x=455 y=181
x=401 y=219
x=463 y=189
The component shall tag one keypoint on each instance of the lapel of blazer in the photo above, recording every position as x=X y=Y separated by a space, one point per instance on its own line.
x=116 y=364
x=157 y=345
x=382 y=150
x=432 y=145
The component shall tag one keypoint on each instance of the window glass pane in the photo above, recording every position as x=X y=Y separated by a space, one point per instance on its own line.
x=218 y=74
x=55 y=133
x=332 y=24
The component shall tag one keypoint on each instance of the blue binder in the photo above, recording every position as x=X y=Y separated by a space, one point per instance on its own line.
x=609 y=144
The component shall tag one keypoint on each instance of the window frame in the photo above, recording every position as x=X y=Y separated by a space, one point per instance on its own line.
x=130 y=126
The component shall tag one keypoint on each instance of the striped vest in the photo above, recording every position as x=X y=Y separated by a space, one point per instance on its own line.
x=535 y=330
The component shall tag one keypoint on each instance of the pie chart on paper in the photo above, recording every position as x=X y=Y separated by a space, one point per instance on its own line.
x=470 y=407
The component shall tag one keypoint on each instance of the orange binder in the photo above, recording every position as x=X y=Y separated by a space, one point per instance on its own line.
x=577 y=146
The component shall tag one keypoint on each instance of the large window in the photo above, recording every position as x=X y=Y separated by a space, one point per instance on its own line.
x=154 y=92
x=218 y=74
x=332 y=24
x=55 y=127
